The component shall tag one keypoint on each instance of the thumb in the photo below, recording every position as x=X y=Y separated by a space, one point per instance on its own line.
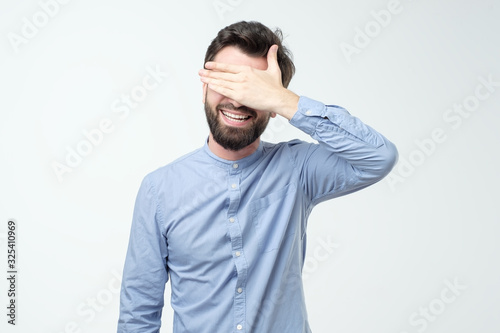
x=272 y=58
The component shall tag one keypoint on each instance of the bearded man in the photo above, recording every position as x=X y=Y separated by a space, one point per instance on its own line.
x=226 y=224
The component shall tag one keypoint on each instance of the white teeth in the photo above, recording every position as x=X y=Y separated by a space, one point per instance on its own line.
x=235 y=117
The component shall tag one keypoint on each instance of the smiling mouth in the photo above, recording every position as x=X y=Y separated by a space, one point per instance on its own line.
x=235 y=117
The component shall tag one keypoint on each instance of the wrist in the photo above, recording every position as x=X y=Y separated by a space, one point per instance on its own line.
x=289 y=102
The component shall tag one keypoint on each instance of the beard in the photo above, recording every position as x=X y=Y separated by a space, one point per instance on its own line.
x=235 y=138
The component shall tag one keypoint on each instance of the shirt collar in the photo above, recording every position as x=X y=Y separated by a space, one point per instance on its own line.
x=238 y=164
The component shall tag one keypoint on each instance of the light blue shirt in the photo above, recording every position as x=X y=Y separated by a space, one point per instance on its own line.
x=231 y=235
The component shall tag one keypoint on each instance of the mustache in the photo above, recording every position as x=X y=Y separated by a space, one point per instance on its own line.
x=242 y=109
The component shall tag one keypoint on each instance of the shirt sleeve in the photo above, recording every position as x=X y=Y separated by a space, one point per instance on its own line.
x=349 y=155
x=145 y=272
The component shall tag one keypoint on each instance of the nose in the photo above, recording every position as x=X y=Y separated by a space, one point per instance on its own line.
x=236 y=104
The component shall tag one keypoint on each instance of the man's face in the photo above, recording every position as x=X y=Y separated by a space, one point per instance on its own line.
x=234 y=126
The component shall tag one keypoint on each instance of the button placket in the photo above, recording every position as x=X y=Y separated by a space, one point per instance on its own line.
x=236 y=239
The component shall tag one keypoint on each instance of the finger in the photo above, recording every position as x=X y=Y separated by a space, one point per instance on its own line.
x=219 y=75
x=272 y=58
x=222 y=67
x=218 y=82
x=229 y=93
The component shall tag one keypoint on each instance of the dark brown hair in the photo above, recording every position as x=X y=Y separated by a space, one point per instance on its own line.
x=254 y=39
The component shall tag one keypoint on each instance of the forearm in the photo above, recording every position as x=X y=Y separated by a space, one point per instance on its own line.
x=351 y=155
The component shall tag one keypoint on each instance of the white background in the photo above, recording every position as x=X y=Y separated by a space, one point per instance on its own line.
x=398 y=244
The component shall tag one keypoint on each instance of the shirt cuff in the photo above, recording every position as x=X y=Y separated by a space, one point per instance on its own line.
x=311 y=112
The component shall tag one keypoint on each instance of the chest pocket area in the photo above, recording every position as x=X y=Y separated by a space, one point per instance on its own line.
x=273 y=218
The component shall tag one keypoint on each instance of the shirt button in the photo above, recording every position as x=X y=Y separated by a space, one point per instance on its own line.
x=237 y=253
x=235 y=166
x=239 y=327
x=231 y=220
x=233 y=185
x=240 y=290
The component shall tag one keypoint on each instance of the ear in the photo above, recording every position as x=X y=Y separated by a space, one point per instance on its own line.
x=273 y=114
x=205 y=86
